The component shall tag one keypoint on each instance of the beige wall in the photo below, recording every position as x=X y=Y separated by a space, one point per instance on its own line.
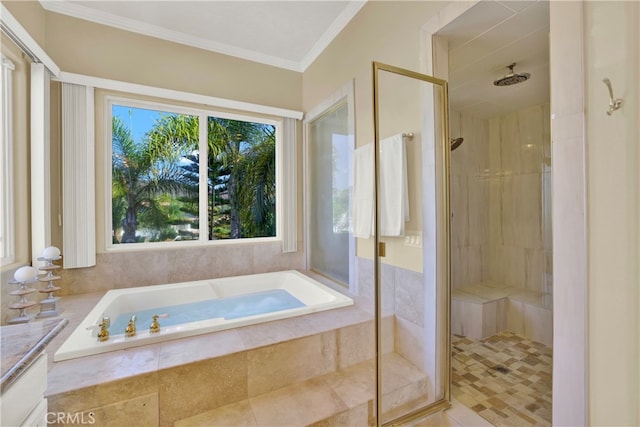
x=386 y=32
x=32 y=17
x=84 y=47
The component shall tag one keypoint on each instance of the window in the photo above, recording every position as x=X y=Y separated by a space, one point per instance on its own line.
x=329 y=159
x=7 y=250
x=162 y=191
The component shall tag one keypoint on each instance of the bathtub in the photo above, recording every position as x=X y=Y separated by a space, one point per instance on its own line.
x=291 y=293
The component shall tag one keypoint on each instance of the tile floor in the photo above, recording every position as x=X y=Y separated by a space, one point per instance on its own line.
x=504 y=378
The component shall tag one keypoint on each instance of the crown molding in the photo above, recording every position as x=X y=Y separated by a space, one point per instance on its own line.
x=104 y=18
x=132 y=25
x=334 y=29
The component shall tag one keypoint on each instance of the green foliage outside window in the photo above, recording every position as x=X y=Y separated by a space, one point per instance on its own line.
x=156 y=178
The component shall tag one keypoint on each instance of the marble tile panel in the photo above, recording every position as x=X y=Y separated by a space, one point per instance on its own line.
x=299 y=404
x=102 y=368
x=495 y=210
x=456 y=317
x=195 y=388
x=341 y=419
x=538 y=324
x=389 y=277
x=194 y=349
x=459 y=268
x=388 y=334
x=355 y=385
x=474 y=259
x=479 y=205
x=409 y=296
x=472 y=319
x=547 y=213
x=495 y=155
x=404 y=400
x=276 y=366
x=235 y=259
x=441 y=419
x=459 y=211
x=130 y=269
x=362 y=415
x=474 y=152
x=532 y=132
x=87 y=280
x=528 y=201
x=81 y=399
x=277 y=331
x=144 y=410
x=235 y=414
x=364 y=269
x=508 y=210
x=534 y=260
x=512 y=262
x=355 y=344
x=194 y=263
x=269 y=257
x=515 y=317
x=510 y=143
x=409 y=342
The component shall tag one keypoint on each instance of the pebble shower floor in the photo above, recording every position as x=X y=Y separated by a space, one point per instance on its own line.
x=505 y=378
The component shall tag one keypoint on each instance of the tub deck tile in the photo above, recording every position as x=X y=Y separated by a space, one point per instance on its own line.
x=197 y=348
x=82 y=372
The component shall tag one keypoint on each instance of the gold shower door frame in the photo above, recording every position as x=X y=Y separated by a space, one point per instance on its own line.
x=443 y=301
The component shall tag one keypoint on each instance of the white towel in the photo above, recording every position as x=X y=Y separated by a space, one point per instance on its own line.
x=363 y=192
x=394 y=188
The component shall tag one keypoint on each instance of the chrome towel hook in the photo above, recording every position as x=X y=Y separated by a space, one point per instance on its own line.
x=614 y=103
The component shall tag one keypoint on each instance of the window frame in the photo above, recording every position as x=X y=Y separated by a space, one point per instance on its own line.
x=203 y=114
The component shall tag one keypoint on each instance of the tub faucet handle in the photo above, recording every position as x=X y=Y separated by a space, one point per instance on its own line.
x=130 y=330
x=103 y=335
x=155 y=325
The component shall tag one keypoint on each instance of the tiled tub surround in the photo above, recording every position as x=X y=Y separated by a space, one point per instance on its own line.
x=199 y=307
x=265 y=374
x=128 y=268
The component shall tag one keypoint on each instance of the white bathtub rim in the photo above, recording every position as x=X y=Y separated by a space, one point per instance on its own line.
x=82 y=342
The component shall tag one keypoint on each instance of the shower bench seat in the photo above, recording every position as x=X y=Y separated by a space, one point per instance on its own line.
x=479 y=311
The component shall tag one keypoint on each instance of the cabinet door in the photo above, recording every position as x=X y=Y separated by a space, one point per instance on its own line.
x=25 y=394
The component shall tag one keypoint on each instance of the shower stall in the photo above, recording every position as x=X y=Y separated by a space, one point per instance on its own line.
x=501 y=266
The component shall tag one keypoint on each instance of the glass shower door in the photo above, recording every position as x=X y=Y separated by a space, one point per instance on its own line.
x=411 y=258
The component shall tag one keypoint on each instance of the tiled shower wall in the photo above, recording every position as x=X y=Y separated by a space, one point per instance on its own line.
x=520 y=199
x=501 y=200
x=470 y=180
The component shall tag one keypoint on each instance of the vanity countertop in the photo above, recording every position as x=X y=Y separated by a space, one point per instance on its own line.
x=21 y=344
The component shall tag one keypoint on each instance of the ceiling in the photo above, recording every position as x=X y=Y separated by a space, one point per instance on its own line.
x=487 y=38
x=290 y=34
x=287 y=34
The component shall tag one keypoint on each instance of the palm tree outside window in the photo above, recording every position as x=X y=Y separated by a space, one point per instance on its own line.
x=156 y=177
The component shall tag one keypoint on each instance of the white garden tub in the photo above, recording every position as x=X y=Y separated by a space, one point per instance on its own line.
x=199 y=307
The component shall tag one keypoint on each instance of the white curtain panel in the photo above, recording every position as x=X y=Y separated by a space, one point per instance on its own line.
x=78 y=176
x=289 y=192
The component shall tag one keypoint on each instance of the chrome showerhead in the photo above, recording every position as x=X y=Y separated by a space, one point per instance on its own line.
x=456 y=142
x=512 y=78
